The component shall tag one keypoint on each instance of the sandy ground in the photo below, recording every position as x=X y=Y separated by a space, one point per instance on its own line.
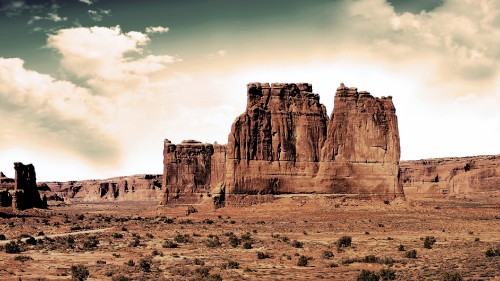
x=284 y=230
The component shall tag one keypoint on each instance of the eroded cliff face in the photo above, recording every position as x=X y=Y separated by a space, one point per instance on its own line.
x=362 y=150
x=477 y=176
x=275 y=145
x=284 y=142
x=130 y=188
x=21 y=192
x=191 y=168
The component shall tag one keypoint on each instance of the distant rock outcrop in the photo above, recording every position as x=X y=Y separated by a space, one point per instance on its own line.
x=21 y=192
x=129 y=188
x=284 y=142
x=477 y=176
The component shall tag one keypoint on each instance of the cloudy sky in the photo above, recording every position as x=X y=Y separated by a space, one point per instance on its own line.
x=89 y=89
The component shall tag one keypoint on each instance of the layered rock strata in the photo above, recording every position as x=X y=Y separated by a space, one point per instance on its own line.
x=130 y=188
x=285 y=142
x=477 y=176
x=21 y=192
x=191 y=168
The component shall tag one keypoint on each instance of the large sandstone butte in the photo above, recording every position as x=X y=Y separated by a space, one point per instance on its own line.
x=21 y=192
x=477 y=176
x=285 y=142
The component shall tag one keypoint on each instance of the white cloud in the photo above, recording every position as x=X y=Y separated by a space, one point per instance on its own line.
x=156 y=29
x=53 y=113
x=111 y=57
x=98 y=15
x=88 y=2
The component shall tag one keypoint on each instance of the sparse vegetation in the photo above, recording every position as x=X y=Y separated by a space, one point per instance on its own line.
x=429 y=242
x=262 y=255
x=344 y=242
x=23 y=258
x=328 y=255
x=213 y=241
x=169 y=244
x=412 y=254
x=145 y=265
x=367 y=275
x=492 y=252
x=79 y=272
x=297 y=244
x=12 y=248
x=452 y=276
x=303 y=260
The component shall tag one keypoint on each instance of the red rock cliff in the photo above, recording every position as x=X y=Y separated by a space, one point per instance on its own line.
x=477 y=176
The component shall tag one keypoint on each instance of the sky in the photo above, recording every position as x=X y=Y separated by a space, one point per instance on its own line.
x=89 y=89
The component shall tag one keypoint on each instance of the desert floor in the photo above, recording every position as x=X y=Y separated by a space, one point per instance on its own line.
x=143 y=241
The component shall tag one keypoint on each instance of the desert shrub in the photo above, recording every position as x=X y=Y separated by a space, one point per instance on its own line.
x=262 y=255
x=297 y=244
x=208 y=221
x=370 y=259
x=328 y=255
x=367 y=275
x=303 y=260
x=23 y=258
x=156 y=253
x=186 y=222
x=101 y=262
x=190 y=210
x=429 y=242
x=12 y=248
x=234 y=241
x=202 y=272
x=117 y=235
x=231 y=265
x=79 y=272
x=80 y=217
x=2 y=237
x=247 y=245
x=412 y=254
x=452 y=276
x=121 y=278
x=41 y=233
x=247 y=236
x=401 y=248
x=91 y=242
x=492 y=253
x=387 y=274
x=31 y=241
x=199 y=262
x=213 y=241
x=145 y=265
x=169 y=244
x=130 y=263
x=168 y=221
x=149 y=235
x=180 y=238
x=344 y=242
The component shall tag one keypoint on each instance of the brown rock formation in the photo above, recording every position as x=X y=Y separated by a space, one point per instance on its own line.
x=130 y=188
x=21 y=192
x=275 y=146
x=284 y=142
x=191 y=167
x=477 y=176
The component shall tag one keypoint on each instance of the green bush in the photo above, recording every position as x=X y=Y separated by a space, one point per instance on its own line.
x=79 y=272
